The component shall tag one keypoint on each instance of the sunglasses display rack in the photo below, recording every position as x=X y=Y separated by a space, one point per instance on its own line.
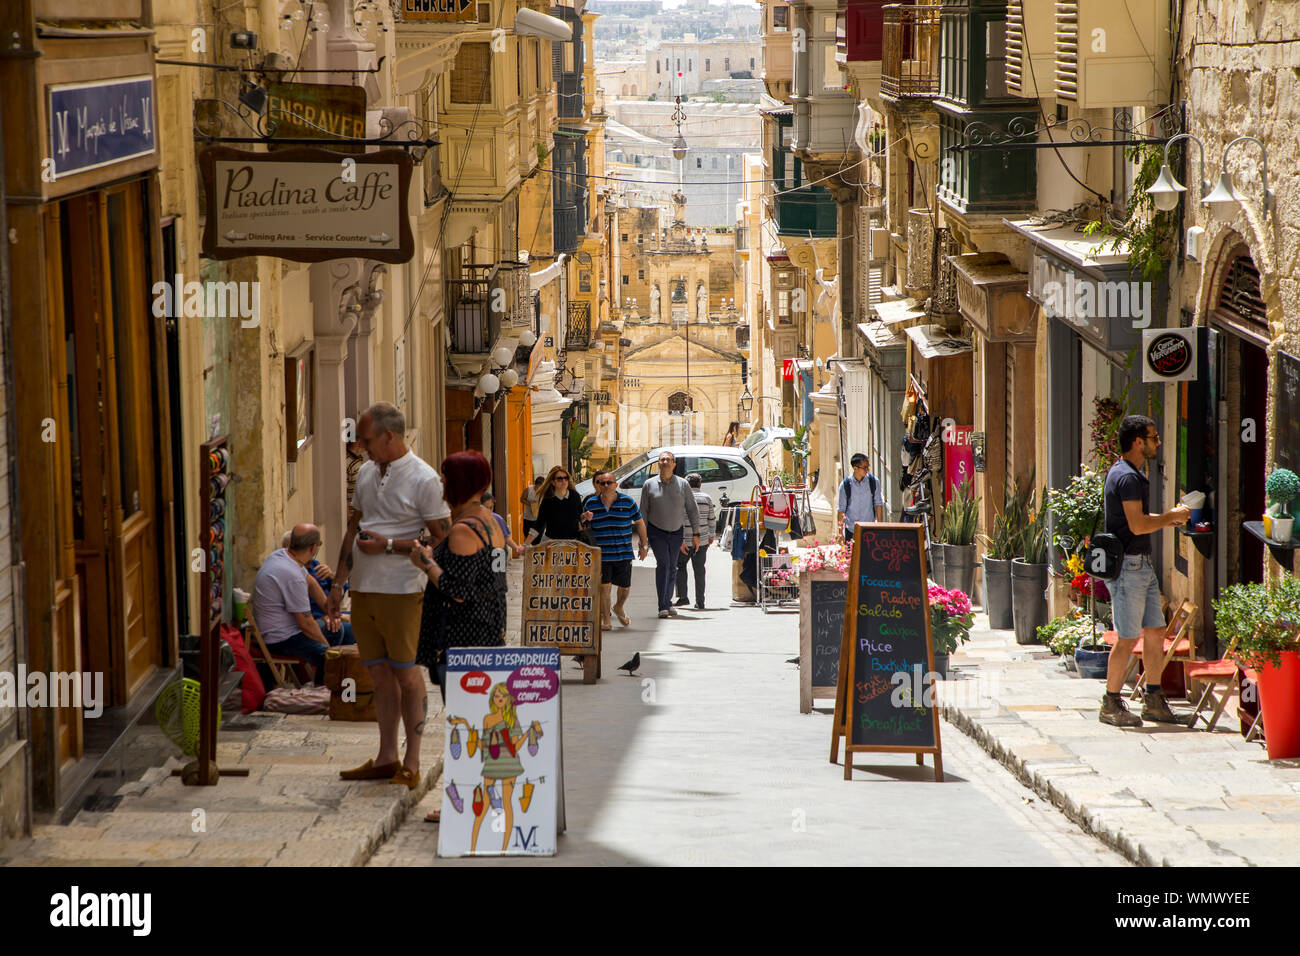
x=214 y=466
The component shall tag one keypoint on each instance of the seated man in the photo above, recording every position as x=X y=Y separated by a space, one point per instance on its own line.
x=320 y=578
x=281 y=606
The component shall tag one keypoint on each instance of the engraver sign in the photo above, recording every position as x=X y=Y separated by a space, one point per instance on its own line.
x=308 y=205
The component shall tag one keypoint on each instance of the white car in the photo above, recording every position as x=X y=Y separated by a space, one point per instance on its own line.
x=721 y=469
x=763 y=446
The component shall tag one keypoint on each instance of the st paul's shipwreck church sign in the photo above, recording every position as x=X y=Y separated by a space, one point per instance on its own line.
x=308 y=205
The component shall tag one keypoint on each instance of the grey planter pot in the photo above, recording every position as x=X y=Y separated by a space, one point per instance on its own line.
x=997 y=593
x=941 y=665
x=959 y=569
x=1028 y=599
x=937 y=555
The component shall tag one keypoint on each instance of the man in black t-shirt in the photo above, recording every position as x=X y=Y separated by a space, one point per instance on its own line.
x=1135 y=594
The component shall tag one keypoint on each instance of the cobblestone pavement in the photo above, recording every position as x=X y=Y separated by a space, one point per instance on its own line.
x=1161 y=794
x=704 y=758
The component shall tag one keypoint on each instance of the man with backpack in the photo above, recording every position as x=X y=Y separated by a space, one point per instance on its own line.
x=860 y=497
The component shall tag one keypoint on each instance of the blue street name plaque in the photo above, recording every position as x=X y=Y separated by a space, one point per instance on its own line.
x=100 y=123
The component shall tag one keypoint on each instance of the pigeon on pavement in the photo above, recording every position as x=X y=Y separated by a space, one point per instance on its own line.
x=632 y=665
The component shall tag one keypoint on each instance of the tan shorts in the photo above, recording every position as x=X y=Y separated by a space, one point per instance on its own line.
x=387 y=627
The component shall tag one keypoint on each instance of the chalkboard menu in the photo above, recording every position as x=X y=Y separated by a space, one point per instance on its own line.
x=822 y=597
x=885 y=693
x=1286 y=413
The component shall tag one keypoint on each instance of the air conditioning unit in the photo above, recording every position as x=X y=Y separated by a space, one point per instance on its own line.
x=1112 y=53
x=1031 y=47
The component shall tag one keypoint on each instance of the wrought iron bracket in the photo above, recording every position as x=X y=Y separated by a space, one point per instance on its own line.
x=1023 y=133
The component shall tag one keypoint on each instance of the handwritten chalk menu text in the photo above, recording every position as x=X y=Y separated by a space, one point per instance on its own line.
x=885 y=699
x=828 y=627
x=99 y=123
x=562 y=595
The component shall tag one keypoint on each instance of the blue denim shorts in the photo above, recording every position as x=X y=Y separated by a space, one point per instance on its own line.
x=1135 y=598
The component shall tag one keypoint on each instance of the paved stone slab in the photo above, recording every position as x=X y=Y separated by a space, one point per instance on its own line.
x=1161 y=795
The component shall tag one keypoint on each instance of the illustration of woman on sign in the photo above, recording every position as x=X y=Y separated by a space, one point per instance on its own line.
x=501 y=739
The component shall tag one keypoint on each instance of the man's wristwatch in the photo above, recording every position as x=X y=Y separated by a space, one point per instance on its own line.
x=388 y=548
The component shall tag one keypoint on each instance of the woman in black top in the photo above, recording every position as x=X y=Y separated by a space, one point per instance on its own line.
x=465 y=600
x=560 y=514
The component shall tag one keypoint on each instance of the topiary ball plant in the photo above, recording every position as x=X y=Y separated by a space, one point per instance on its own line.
x=1283 y=487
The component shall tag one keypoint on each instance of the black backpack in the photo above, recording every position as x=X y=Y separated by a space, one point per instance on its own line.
x=847 y=485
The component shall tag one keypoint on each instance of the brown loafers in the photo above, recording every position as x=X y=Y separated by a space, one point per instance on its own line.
x=370 y=771
x=407 y=776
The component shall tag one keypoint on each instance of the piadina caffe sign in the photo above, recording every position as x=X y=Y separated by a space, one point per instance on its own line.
x=308 y=205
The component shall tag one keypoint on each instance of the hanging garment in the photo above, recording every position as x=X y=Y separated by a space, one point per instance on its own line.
x=526 y=797
x=532 y=741
x=454 y=796
x=478 y=800
x=494 y=792
x=455 y=743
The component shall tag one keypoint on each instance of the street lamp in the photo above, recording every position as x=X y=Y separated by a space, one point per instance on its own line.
x=746 y=403
x=679 y=144
x=1224 y=201
x=1166 y=192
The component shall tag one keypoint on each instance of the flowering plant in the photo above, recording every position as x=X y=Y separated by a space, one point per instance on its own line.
x=1076 y=511
x=834 y=557
x=951 y=618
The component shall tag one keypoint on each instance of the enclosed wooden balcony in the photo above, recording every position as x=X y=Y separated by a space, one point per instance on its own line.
x=859 y=31
x=909 y=67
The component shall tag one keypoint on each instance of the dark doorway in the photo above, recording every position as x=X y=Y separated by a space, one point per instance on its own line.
x=1251 y=474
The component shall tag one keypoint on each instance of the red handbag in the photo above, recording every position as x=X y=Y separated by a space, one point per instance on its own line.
x=778 y=505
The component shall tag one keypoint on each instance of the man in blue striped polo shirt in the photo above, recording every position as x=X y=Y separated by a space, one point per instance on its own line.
x=614 y=517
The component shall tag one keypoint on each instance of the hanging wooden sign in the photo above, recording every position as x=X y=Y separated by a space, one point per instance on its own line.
x=308 y=204
x=562 y=601
x=884 y=700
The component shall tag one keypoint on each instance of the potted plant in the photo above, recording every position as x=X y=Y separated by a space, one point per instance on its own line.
x=999 y=548
x=1264 y=625
x=1282 y=488
x=1029 y=574
x=950 y=622
x=1058 y=636
x=960 y=521
x=1077 y=512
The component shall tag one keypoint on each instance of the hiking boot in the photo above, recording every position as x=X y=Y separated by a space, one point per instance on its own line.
x=1156 y=707
x=1116 y=713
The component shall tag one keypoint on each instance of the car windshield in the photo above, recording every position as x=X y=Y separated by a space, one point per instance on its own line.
x=625 y=469
x=753 y=439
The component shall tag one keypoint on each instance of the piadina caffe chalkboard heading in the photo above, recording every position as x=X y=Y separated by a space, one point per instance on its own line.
x=884 y=700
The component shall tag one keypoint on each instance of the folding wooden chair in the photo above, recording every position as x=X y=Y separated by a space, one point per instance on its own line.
x=1179 y=645
x=282 y=668
x=1222 y=679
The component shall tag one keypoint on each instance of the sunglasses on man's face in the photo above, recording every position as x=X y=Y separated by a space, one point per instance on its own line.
x=604 y=482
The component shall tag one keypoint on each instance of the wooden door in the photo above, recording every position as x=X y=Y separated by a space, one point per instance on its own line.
x=132 y=492
x=67 y=620
x=114 y=500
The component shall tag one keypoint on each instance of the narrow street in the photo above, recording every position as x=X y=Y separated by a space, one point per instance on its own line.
x=704 y=758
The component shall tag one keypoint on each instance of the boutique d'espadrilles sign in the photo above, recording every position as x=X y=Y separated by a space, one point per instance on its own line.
x=885 y=695
x=503 y=794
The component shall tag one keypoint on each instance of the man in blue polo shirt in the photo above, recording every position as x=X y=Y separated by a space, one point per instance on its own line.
x=614 y=517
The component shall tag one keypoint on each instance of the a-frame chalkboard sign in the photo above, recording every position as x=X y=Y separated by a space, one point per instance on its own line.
x=884 y=701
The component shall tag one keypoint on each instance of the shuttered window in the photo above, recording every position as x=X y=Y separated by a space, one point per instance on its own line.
x=1067 y=50
x=1239 y=295
x=471 y=77
x=1015 y=44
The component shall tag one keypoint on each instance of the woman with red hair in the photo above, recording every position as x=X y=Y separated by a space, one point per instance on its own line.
x=465 y=600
